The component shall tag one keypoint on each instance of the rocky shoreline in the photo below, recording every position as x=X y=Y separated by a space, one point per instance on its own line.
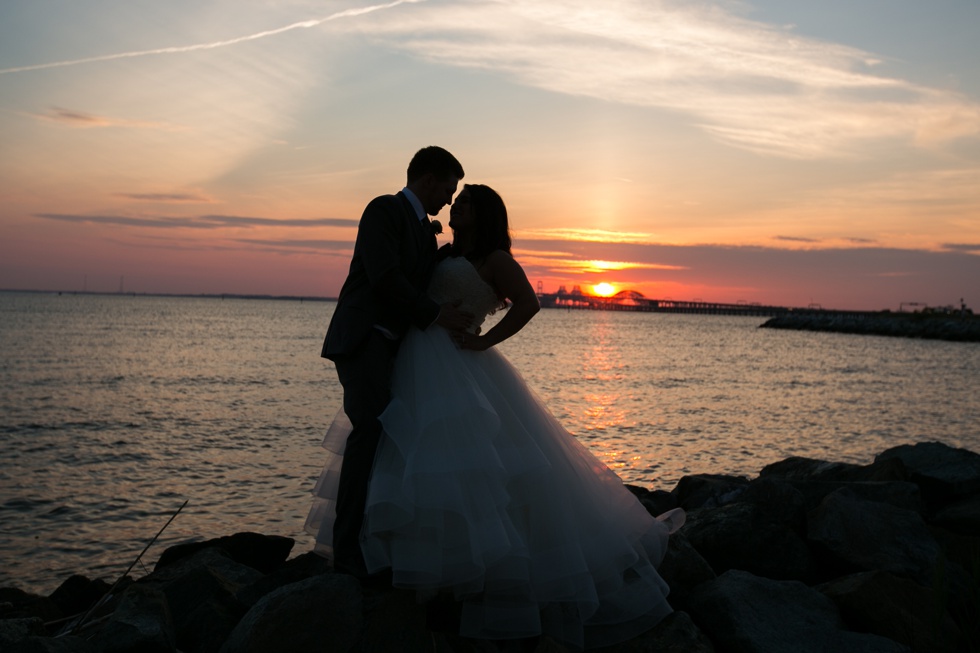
x=960 y=328
x=808 y=556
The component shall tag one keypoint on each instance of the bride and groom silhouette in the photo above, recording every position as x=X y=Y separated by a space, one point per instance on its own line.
x=448 y=476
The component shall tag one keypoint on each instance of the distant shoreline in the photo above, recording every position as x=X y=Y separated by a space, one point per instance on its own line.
x=301 y=298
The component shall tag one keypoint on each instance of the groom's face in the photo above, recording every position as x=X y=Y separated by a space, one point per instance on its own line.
x=437 y=193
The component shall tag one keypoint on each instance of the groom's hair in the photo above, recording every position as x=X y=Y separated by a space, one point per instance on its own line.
x=436 y=160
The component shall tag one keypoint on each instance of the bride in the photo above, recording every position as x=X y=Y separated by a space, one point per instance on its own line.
x=478 y=491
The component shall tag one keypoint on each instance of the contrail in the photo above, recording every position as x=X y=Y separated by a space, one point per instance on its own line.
x=347 y=13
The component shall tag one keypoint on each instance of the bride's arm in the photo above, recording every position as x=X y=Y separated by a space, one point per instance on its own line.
x=508 y=277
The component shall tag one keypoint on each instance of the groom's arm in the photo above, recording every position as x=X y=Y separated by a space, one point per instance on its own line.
x=379 y=244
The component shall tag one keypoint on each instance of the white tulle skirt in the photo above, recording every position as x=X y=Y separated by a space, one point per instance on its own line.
x=478 y=490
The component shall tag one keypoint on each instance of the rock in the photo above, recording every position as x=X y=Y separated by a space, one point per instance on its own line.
x=962 y=517
x=201 y=591
x=797 y=468
x=944 y=473
x=708 y=490
x=897 y=608
x=52 y=645
x=862 y=535
x=657 y=502
x=319 y=613
x=677 y=633
x=260 y=552
x=748 y=614
x=16 y=630
x=683 y=569
x=394 y=620
x=141 y=624
x=78 y=594
x=745 y=536
x=299 y=568
x=18 y=603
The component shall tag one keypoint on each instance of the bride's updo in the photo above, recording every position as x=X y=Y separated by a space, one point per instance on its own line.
x=491 y=230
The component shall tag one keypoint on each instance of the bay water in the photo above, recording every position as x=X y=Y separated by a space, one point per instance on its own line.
x=115 y=409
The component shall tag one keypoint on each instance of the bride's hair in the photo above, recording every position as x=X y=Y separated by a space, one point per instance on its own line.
x=491 y=230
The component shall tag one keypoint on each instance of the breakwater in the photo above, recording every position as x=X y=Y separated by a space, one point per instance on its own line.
x=810 y=556
x=962 y=328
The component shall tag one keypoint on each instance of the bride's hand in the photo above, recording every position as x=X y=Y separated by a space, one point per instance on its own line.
x=472 y=341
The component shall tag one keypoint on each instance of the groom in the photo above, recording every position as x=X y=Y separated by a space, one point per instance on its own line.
x=383 y=295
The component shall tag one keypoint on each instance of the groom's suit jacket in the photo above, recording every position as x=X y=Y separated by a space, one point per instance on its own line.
x=389 y=271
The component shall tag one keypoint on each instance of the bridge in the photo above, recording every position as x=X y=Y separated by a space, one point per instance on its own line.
x=631 y=300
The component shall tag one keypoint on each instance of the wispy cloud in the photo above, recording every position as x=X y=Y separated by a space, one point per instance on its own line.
x=330 y=245
x=972 y=248
x=167 y=198
x=197 y=222
x=80 y=119
x=591 y=235
x=756 y=86
x=304 y=24
x=796 y=239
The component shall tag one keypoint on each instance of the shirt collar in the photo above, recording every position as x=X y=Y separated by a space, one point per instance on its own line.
x=416 y=203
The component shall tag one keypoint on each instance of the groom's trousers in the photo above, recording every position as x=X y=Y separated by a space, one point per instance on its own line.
x=365 y=375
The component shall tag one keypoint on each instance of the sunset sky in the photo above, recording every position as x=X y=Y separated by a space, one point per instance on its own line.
x=776 y=151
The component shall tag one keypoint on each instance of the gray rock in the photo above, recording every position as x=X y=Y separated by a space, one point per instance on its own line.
x=962 y=517
x=313 y=615
x=394 y=620
x=897 y=608
x=16 y=630
x=944 y=473
x=299 y=568
x=677 y=633
x=52 y=645
x=745 y=536
x=708 y=490
x=141 y=624
x=201 y=591
x=261 y=552
x=743 y=613
x=798 y=468
x=864 y=535
x=683 y=568
x=78 y=593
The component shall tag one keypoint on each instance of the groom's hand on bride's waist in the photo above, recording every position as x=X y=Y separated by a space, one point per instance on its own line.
x=450 y=317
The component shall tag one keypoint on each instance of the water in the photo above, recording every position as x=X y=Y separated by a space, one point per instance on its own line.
x=116 y=409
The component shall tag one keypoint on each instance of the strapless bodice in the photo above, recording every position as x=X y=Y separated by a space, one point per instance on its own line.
x=455 y=279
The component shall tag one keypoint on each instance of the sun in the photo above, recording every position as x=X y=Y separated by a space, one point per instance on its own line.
x=604 y=289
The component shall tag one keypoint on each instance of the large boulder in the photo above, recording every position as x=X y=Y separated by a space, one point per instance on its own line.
x=299 y=568
x=860 y=535
x=898 y=608
x=746 y=536
x=201 y=592
x=320 y=613
x=962 y=517
x=676 y=633
x=140 y=624
x=944 y=473
x=708 y=490
x=683 y=568
x=260 y=552
x=798 y=468
x=743 y=613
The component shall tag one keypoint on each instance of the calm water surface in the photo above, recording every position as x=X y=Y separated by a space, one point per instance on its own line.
x=115 y=409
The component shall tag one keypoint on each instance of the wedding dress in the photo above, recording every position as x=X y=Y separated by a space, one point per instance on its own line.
x=477 y=489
